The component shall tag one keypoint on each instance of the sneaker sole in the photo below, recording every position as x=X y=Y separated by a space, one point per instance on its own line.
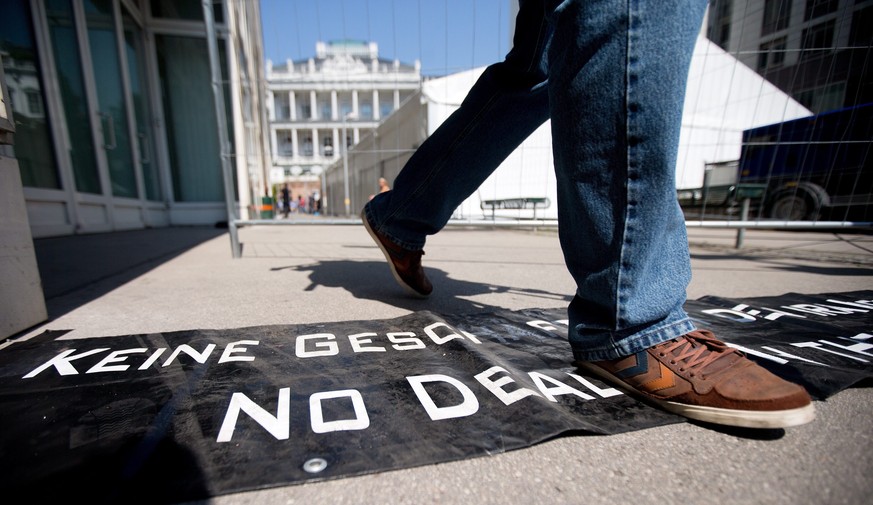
x=727 y=417
x=406 y=287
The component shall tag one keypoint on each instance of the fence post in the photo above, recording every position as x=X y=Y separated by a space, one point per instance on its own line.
x=221 y=125
x=744 y=216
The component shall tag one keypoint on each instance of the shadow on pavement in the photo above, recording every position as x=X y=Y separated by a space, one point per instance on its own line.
x=90 y=266
x=780 y=264
x=762 y=434
x=372 y=280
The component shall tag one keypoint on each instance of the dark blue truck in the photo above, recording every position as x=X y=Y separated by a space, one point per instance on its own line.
x=817 y=167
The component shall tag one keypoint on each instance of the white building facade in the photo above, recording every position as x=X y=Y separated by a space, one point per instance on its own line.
x=339 y=95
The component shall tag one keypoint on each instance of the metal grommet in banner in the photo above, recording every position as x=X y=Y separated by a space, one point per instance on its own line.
x=315 y=465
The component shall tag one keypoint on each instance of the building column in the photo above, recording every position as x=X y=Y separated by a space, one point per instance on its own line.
x=274 y=137
x=295 y=151
x=356 y=136
x=334 y=110
x=355 y=103
x=377 y=114
x=292 y=103
x=313 y=103
x=337 y=146
x=396 y=99
x=271 y=105
x=316 y=143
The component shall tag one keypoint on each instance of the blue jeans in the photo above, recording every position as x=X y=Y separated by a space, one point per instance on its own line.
x=611 y=76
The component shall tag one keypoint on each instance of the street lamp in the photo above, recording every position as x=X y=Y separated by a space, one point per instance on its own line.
x=348 y=202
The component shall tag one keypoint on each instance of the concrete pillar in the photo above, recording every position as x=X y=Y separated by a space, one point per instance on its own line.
x=377 y=115
x=396 y=99
x=21 y=293
x=292 y=103
x=355 y=103
x=313 y=103
x=294 y=144
x=274 y=136
x=337 y=146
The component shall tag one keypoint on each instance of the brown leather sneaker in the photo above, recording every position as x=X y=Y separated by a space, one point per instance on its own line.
x=405 y=264
x=701 y=378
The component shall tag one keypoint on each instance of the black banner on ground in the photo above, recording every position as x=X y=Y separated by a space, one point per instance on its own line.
x=178 y=416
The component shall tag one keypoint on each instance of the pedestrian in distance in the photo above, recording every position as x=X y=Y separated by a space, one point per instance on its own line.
x=383 y=187
x=610 y=74
x=286 y=200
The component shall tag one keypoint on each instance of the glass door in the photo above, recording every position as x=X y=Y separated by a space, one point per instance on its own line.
x=195 y=164
x=135 y=56
x=111 y=102
x=68 y=67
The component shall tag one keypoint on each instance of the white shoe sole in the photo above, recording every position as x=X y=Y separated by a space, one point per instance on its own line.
x=406 y=287
x=727 y=417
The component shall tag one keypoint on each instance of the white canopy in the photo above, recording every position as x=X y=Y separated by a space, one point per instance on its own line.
x=723 y=98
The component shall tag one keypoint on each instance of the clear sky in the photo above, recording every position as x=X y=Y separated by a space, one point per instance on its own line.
x=447 y=36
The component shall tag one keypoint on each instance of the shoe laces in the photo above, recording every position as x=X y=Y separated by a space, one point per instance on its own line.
x=696 y=350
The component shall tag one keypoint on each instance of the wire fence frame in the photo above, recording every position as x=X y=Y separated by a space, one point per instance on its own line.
x=778 y=48
x=537 y=224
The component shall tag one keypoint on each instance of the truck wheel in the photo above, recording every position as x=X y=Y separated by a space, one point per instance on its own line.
x=789 y=207
x=801 y=203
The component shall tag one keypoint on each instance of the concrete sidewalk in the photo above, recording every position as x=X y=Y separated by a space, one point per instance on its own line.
x=314 y=273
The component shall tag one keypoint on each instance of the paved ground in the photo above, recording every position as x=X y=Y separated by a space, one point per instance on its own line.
x=183 y=278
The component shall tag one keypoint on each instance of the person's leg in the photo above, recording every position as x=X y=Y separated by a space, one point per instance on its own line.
x=617 y=71
x=507 y=103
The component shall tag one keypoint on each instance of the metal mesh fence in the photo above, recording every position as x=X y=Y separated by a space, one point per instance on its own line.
x=776 y=132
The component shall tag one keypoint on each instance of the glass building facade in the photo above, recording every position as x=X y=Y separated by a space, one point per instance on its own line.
x=115 y=115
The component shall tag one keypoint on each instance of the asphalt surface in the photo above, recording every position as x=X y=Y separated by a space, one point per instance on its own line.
x=185 y=278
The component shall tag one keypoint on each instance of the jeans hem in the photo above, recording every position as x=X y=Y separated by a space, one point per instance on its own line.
x=636 y=343
x=374 y=223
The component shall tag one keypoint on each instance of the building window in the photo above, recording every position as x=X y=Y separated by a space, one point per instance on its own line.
x=817 y=39
x=772 y=54
x=324 y=108
x=286 y=144
x=186 y=10
x=345 y=107
x=307 y=146
x=280 y=107
x=34 y=146
x=366 y=110
x=327 y=146
x=385 y=109
x=34 y=102
x=818 y=8
x=776 y=16
x=824 y=98
x=720 y=28
x=304 y=111
x=861 y=36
